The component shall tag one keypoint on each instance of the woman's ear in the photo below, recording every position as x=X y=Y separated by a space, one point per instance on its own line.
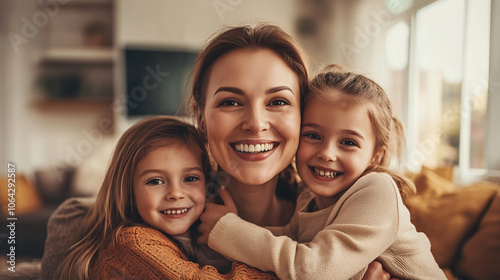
x=201 y=125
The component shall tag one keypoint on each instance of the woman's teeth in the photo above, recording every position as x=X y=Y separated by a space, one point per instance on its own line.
x=173 y=212
x=250 y=148
x=327 y=174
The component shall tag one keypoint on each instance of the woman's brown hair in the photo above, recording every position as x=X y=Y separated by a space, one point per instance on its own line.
x=115 y=207
x=388 y=130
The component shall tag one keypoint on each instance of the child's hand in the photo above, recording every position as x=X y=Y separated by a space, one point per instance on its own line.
x=213 y=212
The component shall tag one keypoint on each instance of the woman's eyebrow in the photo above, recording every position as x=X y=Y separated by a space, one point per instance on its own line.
x=229 y=89
x=280 y=88
x=239 y=91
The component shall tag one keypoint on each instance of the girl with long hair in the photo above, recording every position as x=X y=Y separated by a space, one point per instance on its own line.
x=143 y=223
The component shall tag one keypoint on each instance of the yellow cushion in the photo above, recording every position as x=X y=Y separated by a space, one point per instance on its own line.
x=26 y=196
x=449 y=218
x=481 y=253
x=447 y=172
x=434 y=181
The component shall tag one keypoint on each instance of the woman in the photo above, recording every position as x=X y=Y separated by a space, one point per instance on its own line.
x=248 y=87
x=247 y=90
x=248 y=84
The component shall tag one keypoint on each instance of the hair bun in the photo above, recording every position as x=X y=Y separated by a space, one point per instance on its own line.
x=334 y=68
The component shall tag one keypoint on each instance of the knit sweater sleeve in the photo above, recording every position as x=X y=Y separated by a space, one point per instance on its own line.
x=145 y=253
x=364 y=225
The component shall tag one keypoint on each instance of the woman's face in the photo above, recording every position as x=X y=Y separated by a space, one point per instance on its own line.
x=252 y=114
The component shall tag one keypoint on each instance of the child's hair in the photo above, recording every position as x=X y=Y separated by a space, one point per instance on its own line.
x=115 y=207
x=388 y=130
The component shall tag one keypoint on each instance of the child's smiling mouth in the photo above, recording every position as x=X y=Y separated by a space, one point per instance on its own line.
x=325 y=173
x=175 y=211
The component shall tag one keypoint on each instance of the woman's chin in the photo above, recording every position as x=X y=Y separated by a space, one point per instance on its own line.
x=252 y=173
x=255 y=178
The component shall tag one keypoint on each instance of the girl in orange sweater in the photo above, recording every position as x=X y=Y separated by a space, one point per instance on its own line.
x=148 y=206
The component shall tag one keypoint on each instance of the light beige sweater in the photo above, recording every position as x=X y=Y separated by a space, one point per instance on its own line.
x=368 y=222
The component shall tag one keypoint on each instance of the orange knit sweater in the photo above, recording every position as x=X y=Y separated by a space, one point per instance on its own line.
x=145 y=253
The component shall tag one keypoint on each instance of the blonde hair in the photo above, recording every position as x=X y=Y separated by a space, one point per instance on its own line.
x=388 y=130
x=115 y=208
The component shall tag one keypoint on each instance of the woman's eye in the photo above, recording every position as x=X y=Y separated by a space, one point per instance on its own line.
x=279 y=102
x=312 y=135
x=191 y=179
x=229 y=103
x=155 y=182
x=349 y=143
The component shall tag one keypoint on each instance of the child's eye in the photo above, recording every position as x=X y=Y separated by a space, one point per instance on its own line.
x=229 y=103
x=312 y=135
x=279 y=102
x=155 y=182
x=349 y=142
x=191 y=179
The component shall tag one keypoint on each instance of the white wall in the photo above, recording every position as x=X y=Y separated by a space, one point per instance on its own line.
x=189 y=23
x=33 y=136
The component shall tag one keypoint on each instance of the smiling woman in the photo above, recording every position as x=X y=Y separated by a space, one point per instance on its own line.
x=248 y=86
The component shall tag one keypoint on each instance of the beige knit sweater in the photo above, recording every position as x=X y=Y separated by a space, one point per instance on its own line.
x=368 y=222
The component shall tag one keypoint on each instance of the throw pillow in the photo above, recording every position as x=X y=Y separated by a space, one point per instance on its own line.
x=26 y=196
x=480 y=254
x=449 y=219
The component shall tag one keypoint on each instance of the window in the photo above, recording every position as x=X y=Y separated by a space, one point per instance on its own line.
x=448 y=76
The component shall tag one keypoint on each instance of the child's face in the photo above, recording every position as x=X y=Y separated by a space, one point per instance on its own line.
x=169 y=189
x=336 y=147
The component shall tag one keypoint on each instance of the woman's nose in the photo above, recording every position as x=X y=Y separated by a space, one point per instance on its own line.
x=174 y=192
x=328 y=152
x=256 y=120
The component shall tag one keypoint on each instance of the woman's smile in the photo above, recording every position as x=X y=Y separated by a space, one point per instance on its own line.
x=254 y=151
